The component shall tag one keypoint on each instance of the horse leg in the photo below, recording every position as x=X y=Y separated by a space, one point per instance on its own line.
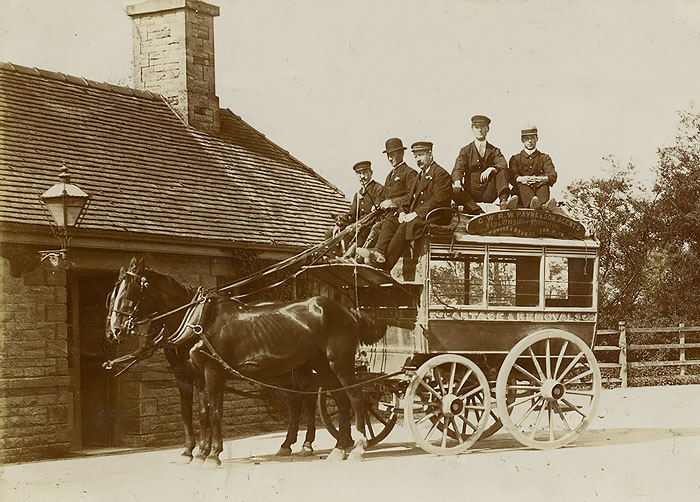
x=185 y=385
x=330 y=381
x=294 y=402
x=346 y=375
x=310 y=406
x=200 y=362
x=214 y=382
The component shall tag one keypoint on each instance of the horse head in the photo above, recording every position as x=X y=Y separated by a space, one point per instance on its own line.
x=129 y=301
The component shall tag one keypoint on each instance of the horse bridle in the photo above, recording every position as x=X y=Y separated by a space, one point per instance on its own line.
x=130 y=323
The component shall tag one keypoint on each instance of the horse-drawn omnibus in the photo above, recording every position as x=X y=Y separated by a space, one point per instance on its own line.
x=490 y=323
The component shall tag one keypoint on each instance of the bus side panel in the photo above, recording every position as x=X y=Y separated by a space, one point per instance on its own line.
x=490 y=336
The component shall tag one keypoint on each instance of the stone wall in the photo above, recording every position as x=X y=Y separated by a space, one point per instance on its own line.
x=39 y=391
x=35 y=397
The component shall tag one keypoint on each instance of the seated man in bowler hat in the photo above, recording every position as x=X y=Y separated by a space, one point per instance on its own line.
x=480 y=173
x=533 y=173
x=366 y=200
x=399 y=178
x=431 y=189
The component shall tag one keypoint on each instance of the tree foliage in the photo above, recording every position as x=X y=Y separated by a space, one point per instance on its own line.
x=649 y=239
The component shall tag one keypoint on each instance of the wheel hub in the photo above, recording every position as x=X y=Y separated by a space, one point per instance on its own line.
x=452 y=405
x=553 y=390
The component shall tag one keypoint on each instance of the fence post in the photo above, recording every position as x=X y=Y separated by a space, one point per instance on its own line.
x=682 y=343
x=623 y=353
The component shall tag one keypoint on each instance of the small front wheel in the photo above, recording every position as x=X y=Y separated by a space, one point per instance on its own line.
x=447 y=404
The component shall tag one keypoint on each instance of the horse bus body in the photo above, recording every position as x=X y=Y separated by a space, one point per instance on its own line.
x=507 y=319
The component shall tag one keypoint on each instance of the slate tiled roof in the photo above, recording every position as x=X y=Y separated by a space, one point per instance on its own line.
x=147 y=172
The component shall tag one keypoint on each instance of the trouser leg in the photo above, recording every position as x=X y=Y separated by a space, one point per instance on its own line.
x=543 y=193
x=396 y=246
x=462 y=197
x=389 y=226
x=525 y=194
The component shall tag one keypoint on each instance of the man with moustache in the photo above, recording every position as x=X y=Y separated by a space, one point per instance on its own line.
x=399 y=178
x=431 y=189
x=480 y=173
x=366 y=200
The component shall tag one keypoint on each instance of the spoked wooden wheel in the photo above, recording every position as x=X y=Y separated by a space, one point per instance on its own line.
x=548 y=389
x=445 y=406
x=381 y=412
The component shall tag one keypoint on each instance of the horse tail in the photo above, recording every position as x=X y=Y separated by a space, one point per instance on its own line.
x=371 y=330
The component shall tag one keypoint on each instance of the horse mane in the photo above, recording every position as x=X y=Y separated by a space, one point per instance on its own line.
x=371 y=330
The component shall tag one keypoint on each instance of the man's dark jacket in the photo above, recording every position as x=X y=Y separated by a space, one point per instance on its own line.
x=469 y=164
x=369 y=196
x=430 y=190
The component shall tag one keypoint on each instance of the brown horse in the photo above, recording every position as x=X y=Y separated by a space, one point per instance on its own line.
x=267 y=341
x=140 y=293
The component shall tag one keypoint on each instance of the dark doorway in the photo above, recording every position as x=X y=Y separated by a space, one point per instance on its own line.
x=97 y=390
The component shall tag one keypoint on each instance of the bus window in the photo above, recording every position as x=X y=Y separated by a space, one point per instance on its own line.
x=456 y=280
x=568 y=282
x=514 y=281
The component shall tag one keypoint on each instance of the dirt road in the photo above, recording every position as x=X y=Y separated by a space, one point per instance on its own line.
x=644 y=445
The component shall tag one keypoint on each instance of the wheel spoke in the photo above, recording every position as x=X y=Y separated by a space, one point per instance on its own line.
x=536 y=364
x=560 y=358
x=454 y=427
x=435 y=424
x=522 y=400
x=368 y=426
x=570 y=367
x=528 y=412
x=466 y=422
x=551 y=424
x=444 y=434
x=548 y=364
x=581 y=393
x=464 y=380
x=561 y=415
x=441 y=383
x=378 y=417
x=432 y=391
x=426 y=417
x=574 y=407
x=540 y=414
x=470 y=393
x=522 y=387
x=578 y=377
x=474 y=407
x=529 y=375
x=452 y=378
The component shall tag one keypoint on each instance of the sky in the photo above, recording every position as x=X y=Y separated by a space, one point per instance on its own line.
x=330 y=81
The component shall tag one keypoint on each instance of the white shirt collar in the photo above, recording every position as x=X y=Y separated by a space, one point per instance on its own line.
x=480 y=145
x=529 y=152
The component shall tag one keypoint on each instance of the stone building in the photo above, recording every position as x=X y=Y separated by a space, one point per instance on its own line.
x=172 y=176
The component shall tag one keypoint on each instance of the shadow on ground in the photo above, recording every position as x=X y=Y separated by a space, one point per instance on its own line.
x=498 y=443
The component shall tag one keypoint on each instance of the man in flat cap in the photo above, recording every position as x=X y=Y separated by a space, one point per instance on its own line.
x=533 y=173
x=480 y=173
x=431 y=189
x=365 y=201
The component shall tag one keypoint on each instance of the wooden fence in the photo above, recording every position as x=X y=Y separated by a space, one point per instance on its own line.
x=670 y=351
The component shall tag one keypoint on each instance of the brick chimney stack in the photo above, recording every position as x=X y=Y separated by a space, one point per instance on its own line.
x=174 y=57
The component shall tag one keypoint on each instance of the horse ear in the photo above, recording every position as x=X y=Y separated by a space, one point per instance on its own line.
x=140 y=264
x=133 y=264
x=122 y=270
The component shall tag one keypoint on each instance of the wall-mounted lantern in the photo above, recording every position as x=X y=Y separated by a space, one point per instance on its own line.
x=65 y=205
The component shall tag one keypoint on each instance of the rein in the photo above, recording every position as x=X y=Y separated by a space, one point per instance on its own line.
x=233 y=371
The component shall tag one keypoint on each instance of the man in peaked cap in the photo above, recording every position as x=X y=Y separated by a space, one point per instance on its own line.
x=480 y=173
x=431 y=189
x=365 y=201
x=533 y=173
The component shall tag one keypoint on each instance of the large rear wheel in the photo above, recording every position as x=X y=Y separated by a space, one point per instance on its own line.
x=548 y=389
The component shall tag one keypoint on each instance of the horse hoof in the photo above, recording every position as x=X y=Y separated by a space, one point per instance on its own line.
x=335 y=455
x=197 y=461
x=357 y=454
x=211 y=463
x=184 y=459
x=284 y=451
x=306 y=451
